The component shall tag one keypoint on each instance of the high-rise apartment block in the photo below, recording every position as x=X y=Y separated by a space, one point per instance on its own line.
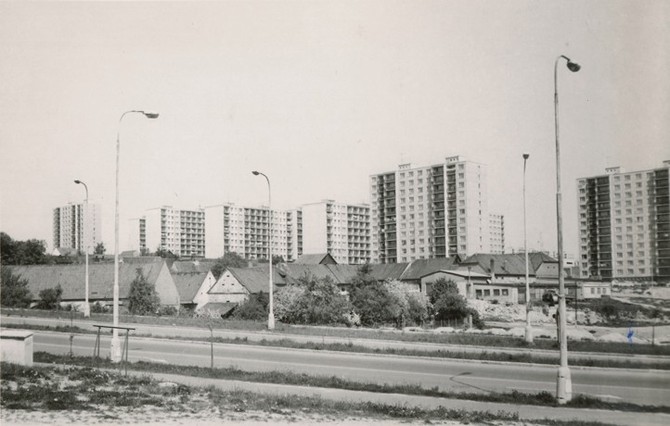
x=77 y=226
x=429 y=212
x=342 y=230
x=497 y=233
x=246 y=231
x=624 y=224
x=181 y=232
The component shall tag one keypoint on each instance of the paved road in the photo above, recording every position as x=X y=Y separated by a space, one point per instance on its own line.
x=642 y=387
x=194 y=332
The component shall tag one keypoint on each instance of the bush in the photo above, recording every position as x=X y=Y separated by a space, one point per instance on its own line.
x=14 y=290
x=417 y=308
x=320 y=303
x=285 y=302
x=254 y=308
x=142 y=296
x=99 y=308
x=168 y=311
x=375 y=304
x=50 y=298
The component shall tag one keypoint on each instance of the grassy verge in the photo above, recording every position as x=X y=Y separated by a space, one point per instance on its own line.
x=288 y=378
x=349 y=333
x=492 y=355
x=97 y=395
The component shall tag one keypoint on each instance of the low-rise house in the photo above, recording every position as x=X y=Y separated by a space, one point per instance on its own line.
x=193 y=287
x=235 y=285
x=71 y=279
x=465 y=281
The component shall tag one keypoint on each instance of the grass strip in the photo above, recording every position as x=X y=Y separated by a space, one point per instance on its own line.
x=231 y=373
x=492 y=355
x=357 y=333
x=95 y=391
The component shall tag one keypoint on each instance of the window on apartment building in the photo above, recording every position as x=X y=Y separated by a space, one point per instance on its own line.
x=487 y=292
x=496 y=292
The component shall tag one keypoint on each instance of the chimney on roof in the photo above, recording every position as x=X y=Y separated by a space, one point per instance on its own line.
x=492 y=265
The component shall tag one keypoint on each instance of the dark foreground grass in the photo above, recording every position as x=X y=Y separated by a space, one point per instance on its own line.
x=493 y=355
x=276 y=377
x=95 y=392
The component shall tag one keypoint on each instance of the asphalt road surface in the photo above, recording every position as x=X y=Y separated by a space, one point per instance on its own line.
x=650 y=387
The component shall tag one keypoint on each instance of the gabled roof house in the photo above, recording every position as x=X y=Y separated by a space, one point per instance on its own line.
x=71 y=279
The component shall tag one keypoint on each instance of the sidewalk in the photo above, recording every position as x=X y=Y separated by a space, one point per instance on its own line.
x=526 y=412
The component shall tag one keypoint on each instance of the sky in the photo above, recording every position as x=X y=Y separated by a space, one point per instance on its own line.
x=319 y=95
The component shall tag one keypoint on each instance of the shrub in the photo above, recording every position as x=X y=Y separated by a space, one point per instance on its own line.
x=142 y=296
x=168 y=311
x=254 y=308
x=375 y=304
x=14 y=290
x=320 y=303
x=99 y=308
x=285 y=302
x=50 y=298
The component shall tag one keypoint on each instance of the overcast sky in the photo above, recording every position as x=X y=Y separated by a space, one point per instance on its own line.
x=319 y=95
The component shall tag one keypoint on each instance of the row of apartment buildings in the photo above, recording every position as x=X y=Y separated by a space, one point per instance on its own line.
x=414 y=213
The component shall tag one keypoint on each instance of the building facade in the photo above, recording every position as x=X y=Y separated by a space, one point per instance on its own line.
x=342 y=230
x=181 y=232
x=624 y=225
x=497 y=233
x=429 y=212
x=246 y=231
x=77 y=226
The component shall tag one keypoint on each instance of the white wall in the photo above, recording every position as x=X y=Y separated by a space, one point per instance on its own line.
x=314 y=237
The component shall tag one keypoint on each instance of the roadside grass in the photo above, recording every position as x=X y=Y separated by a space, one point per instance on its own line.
x=92 y=391
x=348 y=333
x=353 y=333
x=500 y=356
x=277 y=377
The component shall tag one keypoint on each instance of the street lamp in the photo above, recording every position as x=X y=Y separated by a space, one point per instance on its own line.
x=87 y=308
x=529 y=329
x=116 y=344
x=564 y=381
x=271 y=315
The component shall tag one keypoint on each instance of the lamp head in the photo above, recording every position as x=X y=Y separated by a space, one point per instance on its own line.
x=255 y=173
x=573 y=66
x=77 y=181
x=525 y=156
x=150 y=114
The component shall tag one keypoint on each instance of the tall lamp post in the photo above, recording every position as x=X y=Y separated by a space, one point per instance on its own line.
x=271 y=315
x=564 y=381
x=87 y=308
x=529 y=329
x=116 y=343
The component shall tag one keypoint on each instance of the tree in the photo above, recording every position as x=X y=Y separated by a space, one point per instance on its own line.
x=99 y=249
x=14 y=290
x=254 y=308
x=50 y=298
x=142 y=296
x=29 y=252
x=417 y=311
x=320 y=303
x=165 y=254
x=285 y=302
x=440 y=287
x=229 y=260
x=375 y=304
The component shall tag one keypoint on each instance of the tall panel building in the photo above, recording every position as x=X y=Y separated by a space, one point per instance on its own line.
x=497 y=233
x=246 y=231
x=624 y=225
x=342 y=230
x=180 y=231
x=77 y=226
x=429 y=212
